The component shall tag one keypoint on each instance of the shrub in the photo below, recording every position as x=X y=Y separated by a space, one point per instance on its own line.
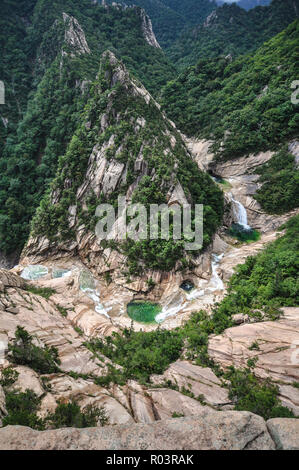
x=22 y=408
x=250 y=394
x=70 y=415
x=24 y=352
x=8 y=377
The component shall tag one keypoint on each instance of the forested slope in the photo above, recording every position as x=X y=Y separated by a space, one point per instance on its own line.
x=232 y=30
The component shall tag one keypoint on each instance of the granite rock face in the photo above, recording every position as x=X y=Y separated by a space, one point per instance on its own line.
x=284 y=432
x=200 y=381
x=229 y=430
x=277 y=354
x=75 y=36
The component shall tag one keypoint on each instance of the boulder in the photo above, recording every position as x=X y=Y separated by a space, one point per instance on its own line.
x=284 y=432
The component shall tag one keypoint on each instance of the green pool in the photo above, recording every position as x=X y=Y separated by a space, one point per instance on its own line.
x=246 y=236
x=143 y=312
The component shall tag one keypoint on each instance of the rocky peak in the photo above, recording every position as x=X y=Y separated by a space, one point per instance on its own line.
x=74 y=36
x=210 y=19
x=147 y=30
x=128 y=148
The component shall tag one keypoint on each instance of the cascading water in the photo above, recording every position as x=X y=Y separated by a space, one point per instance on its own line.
x=240 y=213
x=169 y=310
x=87 y=285
x=216 y=281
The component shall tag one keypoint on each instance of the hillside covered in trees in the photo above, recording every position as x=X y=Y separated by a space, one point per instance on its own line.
x=38 y=63
x=243 y=105
x=230 y=30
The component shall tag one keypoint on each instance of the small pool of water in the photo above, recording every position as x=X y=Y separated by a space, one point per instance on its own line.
x=243 y=234
x=59 y=272
x=33 y=272
x=187 y=285
x=143 y=312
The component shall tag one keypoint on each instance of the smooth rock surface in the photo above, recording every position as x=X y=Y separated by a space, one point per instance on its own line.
x=278 y=354
x=201 y=381
x=284 y=432
x=229 y=430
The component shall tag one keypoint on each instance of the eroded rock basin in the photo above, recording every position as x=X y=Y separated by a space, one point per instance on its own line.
x=99 y=307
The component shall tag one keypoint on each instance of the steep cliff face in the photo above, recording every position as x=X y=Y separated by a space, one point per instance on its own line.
x=147 y=30
x=74 y=35
x=126 y=147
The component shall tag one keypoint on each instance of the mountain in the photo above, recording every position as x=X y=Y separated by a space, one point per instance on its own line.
x=209 y=100
x=244 y=106
x=249 y=4
x=123 y=146
x=171 y=17
x=246 y=4
x=230 y=30
x=48 y=66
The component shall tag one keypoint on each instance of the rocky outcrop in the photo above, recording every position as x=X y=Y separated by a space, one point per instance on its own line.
x=228 y=430
x=200 y=381
x=147 y=30
x=276 y=351
x=74 y=36
x=41 y=317
x=242 y=179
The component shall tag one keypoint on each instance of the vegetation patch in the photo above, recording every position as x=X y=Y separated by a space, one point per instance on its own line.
x=25 y=353
x=280 y=183
x=45 y=292
x=258 y=396
x=69 y=415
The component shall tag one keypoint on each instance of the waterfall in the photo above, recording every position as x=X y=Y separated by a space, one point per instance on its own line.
x=170 y=309
x=87 y=285
x=215 y=279
x=240 y=213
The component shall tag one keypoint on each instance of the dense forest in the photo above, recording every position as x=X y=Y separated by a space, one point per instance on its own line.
x=208 y=100
x=230 y=30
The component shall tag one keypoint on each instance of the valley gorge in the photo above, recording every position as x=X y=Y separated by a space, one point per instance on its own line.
x=117 y=343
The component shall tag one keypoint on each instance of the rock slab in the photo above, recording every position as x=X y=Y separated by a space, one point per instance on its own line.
x=228 y=430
